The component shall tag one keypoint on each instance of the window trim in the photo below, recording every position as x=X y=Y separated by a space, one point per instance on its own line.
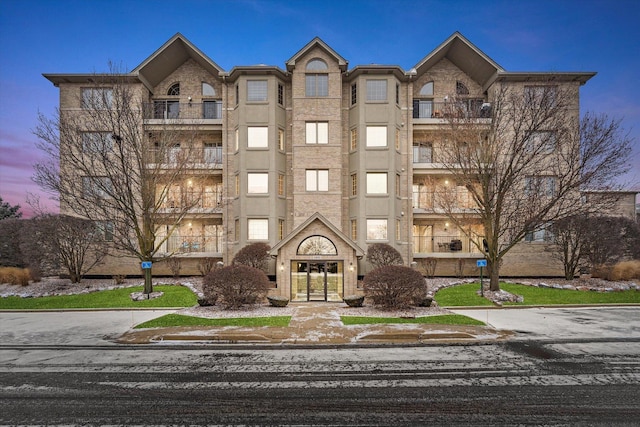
x=374 y=179
x=370 y=234
x=375 y=94
x=371 y=136
x=258 y=93
x=315 y=184
x=316 y=130
x=260 y=182
x=258 y=222
x=258 y=137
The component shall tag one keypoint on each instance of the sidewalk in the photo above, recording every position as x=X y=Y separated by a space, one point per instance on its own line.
x=316 y=324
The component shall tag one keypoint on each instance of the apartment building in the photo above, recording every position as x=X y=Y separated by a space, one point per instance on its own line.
x=320 y=160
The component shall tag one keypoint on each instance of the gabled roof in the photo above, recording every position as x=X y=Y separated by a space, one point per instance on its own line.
x=465 y=56
x=317 y=217
x=317 y=42
x=169 y=57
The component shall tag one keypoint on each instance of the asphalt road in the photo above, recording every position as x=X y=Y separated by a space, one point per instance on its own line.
x=516 y=382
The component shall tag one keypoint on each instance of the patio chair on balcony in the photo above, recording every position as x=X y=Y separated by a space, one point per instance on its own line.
x=455 y=245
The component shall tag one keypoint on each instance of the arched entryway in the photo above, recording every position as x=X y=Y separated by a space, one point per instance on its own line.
x=314 y=278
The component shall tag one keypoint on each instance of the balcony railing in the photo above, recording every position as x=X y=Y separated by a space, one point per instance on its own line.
x=468 y=108
x=194 y=199
x=190 y=244
x=443 y=200
x=176 y=155
x=445 y=244
x=174 y=110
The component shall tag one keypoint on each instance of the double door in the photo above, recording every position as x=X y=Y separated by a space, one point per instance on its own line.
x=316 y=280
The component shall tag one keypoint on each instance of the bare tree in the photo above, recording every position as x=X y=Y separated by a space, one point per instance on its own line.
x=8 y=211
x=525 y=164
x=107 y=166
x=569 y=238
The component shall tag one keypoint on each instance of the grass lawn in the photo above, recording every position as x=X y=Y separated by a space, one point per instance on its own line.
x=465 y=295
x=170 y=320
x=445 y=319
x=174 y=296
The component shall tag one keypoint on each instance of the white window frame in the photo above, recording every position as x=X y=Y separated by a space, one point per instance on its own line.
x=377 y=183
x=377 y=229
x=317 y=133
x=257 y=90
x=257 y=229
x=96 y=142
x=316 y=85
x=257 y=183
x=96 y=98
x=377 y=137
x=257 y=137
x=317 y=180
x=377 y=90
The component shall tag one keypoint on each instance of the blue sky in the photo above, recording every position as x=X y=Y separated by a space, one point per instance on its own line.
x=81 y=36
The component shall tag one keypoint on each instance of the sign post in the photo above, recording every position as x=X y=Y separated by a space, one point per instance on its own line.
x=481 y=263
x=146 y=268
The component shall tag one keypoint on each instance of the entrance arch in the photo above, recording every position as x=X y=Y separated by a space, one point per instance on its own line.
x=315 y=278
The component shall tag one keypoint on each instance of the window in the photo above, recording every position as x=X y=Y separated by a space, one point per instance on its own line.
x=397 y=185
x=256 y=90
x=541 y=96
x=96 y=142
x=212 y=109
x=377 y=183
x=376 y=90
x=166 y=109
x=427 y=89
x=354 y=229
x=258 y=137
x=212 y=152
x=317 y=133
x=316 y=85
x=461 y=89
x=174 y=89
x=354 y=139
x=317 y=245
x=354 y=93
x=208 y=90
x=280 y=229
x=97 y=98
x=398 y=229
x=237 y=185
x=258 y=229
x=257 y=183
x=280 y=94
x=540 y=186
x=354 y=184
x=236 y=229
x=317 y=180
x=96 y=186
x=237 y=140
x=376 y=229
x=237 y=94
x=422 y=152
x=541 y=141
x=280 y=139
x=397 y=139
x=280 y=184
x=543 y=234
x=423 y=105
x=105 y=230
x=317 y=64
x=397 y=93
x=376 y=136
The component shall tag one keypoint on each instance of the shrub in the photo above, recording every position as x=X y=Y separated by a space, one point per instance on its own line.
x=460 y=268
x=429 y=266
x=394 y=286
x=206 y=265
x=625 y=270
x=175 y=265
x=381 y=254
x=254 y=255
x=235 y=285
x=118 y=279
x=14 y=276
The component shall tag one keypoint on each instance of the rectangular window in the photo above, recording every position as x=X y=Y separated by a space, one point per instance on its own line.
x=544 y=234
x=376 y=229
x=257 y=183
x=212 y=109
x=422 y=152
x=96 y=142
x=354 y=230
x=423 y=109
x=316 y=85
x=354 y=139
x=96 y=187
x=398 y=229
x=237 y=94
x=354 y=184
x=541 y=141
x=397 y=185
x=280 y=229
x=376 y=90
x=236 y=230
x=105 y=230
x=540 y=186
x=212 y=152
x=97 y=98
x=280 y=184
x=237 y=141
x=280 y=139
x=258 y=229
x=398 y=139
x=280 y=94
x=397 y=94
x=377 y=183
x=257 y=137
x=317 y=133
x=237 y=185
x=317 y=180
x=376 y=136
x=541 y=96
x=256 y=90
x=354 y=93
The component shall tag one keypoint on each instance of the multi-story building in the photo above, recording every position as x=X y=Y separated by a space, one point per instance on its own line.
x=319 y=160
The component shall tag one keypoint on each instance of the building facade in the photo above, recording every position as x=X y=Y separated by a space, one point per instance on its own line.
x=319 y=160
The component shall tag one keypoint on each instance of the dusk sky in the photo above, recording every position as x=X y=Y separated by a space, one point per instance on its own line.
x=82 y=36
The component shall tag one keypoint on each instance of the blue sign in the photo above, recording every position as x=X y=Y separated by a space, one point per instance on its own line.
x=481 y=263
x=146 y=264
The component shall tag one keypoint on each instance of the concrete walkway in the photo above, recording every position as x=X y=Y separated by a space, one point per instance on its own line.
x=316 y=324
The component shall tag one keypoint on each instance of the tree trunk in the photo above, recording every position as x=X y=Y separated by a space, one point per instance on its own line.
x=148 y=284
x=493 y=270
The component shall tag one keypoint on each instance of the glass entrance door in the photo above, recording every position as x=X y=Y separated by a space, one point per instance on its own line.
x=316 y=280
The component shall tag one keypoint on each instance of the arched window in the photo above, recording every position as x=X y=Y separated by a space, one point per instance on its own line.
x=461 y=89
x=427 y=89
x=208 y=90
x=317 y=64
x=317 y=245
x=174 y=89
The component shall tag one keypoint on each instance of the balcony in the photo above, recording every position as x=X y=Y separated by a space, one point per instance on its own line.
x=441 y=201
x=445 y=246
x=162 y=111
x=473 y=108
x=198 y=202
x=190 y=244
x=198 y=158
